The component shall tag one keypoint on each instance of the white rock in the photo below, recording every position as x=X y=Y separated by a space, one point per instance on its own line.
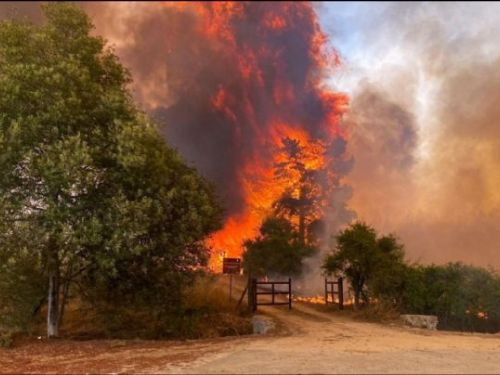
x=262 y=324
x=421 y=321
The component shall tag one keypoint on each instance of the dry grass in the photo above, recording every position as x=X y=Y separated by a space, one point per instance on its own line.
x=375 y=312
x=206 y=312
x=378 y=313
x=217 y=315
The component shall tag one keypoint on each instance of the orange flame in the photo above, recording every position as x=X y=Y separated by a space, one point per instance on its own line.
x=218 y=24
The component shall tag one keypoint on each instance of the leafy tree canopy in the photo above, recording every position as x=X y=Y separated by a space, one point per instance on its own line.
x=365 y=259
x=278 y=250
x=87 y=183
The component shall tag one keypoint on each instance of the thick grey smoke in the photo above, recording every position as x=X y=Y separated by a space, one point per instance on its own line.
x=425 y=127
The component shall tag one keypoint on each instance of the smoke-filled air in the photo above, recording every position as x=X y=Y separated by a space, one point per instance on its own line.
x=397 y=102
x=230 y=83
x=405 y=107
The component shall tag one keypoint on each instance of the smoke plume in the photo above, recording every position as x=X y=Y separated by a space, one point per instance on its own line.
x=228 y=81
x=424 y=127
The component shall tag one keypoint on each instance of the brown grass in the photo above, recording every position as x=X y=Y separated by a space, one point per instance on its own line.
x=207 y=312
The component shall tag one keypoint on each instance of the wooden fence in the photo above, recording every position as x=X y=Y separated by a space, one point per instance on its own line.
x=330 y=290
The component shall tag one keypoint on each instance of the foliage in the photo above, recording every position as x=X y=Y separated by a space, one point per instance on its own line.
x=87 y=182
x=205 y=312
x=463 y=297
x=22 y=290
x=277 y=250
x=365 y=260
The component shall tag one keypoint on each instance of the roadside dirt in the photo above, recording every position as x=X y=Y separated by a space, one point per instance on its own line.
x=313 y=342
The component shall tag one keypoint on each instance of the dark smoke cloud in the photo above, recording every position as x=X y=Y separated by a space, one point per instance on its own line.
x=178 y=71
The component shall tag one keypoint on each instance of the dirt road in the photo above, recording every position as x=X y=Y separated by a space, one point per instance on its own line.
x=313 y=342
x=320 y=343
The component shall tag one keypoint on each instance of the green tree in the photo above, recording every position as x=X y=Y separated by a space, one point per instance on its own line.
x=387 y=281
x=463 y=297
x=277 y=250
x=365 y=259
x=87 y=181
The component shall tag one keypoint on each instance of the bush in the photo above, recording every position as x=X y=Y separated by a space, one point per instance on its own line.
x=463 y=297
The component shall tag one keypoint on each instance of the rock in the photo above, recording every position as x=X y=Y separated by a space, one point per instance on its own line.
x=420 y=321
x=262 y=324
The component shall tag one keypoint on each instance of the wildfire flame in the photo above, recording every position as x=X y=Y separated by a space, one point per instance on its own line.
x=275 y=56
x=317 y=300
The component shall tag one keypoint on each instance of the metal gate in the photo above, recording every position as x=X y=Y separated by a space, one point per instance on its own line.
x=260 y=288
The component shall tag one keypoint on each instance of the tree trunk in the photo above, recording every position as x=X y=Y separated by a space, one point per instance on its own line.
x=302 y=218
x=302 y=228
x=53 y=292
x=53 y=305
x=356 y=298
x=366 y=300
x=358 y=283
x=65 y=291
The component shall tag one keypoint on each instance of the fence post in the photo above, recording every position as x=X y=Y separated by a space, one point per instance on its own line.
x=272 y=295
x=250 y=292
x=341 y=293
x=326 y=292
x=332 y=290
x=289 y=293
x=254 y=294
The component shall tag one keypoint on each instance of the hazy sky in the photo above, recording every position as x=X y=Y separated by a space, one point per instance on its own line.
x=424 y=83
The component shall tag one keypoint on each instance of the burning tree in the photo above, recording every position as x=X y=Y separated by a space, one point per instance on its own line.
x=300 y=168
x=238 y=78
x=289 y=236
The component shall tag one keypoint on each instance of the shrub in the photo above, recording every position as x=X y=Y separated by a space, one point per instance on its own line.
x=463 y=297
